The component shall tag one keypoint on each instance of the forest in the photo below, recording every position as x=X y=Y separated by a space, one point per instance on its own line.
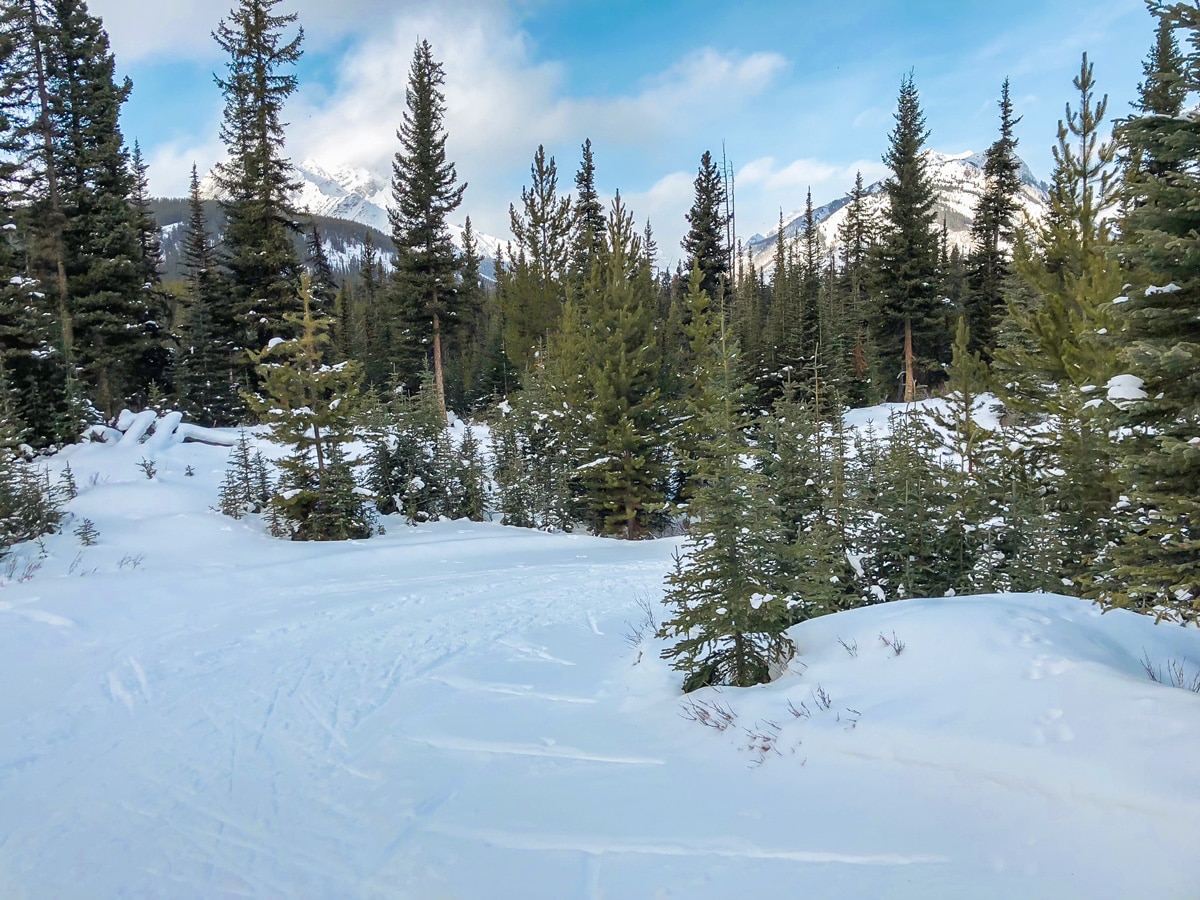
x=1044 y=386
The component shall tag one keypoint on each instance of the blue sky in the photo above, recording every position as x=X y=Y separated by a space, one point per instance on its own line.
x=799 y=93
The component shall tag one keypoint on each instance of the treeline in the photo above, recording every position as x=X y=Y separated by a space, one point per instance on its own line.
x=630 y=400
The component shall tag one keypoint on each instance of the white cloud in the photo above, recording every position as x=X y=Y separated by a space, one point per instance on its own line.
x=142 y=30
x=664 y=205
x=170 y=164
x=502 y=101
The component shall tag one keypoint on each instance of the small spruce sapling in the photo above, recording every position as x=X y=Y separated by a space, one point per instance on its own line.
x=87 y=533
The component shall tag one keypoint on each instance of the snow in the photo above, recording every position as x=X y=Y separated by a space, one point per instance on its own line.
x=195 y=709
x=1125 y=388
x=1171 y=288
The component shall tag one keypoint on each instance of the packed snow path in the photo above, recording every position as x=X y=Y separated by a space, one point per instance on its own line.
x=192 y=709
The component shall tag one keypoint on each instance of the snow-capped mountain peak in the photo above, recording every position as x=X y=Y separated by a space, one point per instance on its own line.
x=353 y=194
x=959 y=181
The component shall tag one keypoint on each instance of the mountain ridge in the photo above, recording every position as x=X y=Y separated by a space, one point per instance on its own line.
x=957 y=177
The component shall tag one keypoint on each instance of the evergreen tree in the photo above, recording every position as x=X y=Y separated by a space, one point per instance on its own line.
x=425 y=192
x=905 y=542
x=408 y=469
x=728 y=624
x=909 y=313
x=247 y=486
x=207 y=368
x=1060 y=355
x=706 y=243
x=588 y=226
x=532 y=283
x=31 y=161
x=624 y=478
x=257 y=180
x=372 y=326
x=473 y=349
x=113 y=309
x=1158 y=560
x=803 y=461
x=31 y=360
x=310 y=408
x=857 y=237
x=991 y=231
x=973 y=536
x=324 y=285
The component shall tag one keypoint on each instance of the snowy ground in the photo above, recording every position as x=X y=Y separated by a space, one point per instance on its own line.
x=192 y=709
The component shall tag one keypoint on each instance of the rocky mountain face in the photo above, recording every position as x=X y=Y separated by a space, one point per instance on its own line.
x=959 y=181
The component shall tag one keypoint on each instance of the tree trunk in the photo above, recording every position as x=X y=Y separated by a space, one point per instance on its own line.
x=910 y=380
x=438 y=379
x=56 y=214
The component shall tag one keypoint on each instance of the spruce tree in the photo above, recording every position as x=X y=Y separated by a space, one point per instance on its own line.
x=706 y=243
x=857 y=236
x=1059 y=356
x=588 y=225
x=473 y=354
x=32 y=177
x=424 y=193
x=992 y=230
x=207 y=367
x=257 y=180
x=1158 y=560
x=31 y=359
x=727 y=623
x=624 y=478
x=909 y=312
x=114 y=312
x=532 y=282
x=324 y=285
x=372 y=325
x=309 y=406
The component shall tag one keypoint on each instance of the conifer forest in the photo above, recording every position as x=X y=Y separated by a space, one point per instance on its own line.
x=1043 y=384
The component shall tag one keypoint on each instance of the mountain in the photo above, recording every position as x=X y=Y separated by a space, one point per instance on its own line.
x=959 y=181
x=352 y=195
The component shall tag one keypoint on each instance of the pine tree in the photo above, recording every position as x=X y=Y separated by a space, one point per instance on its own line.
x=588 y=225
x=803 y=461
x=908 y=255
x=728 y=624
x=207 y=368
x=324 y=285
x=706 y=243
x=1061 y=356
x=1158 y=560
x=624 y=476
x=310 y=408
x=991 y=231
x=32 y=180
x=857 y=237
x=425 y=192
x=257 y=180
x=247 y=486
x=532 y=282
x=973 y=557
x=31 y=361
x=113 y=309
x=372 y=326
x=473 y=346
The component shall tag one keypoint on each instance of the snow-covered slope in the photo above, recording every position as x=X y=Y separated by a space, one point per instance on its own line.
x=343 y=193
x=960 y=183
x=194 y=710
x=355 y=195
